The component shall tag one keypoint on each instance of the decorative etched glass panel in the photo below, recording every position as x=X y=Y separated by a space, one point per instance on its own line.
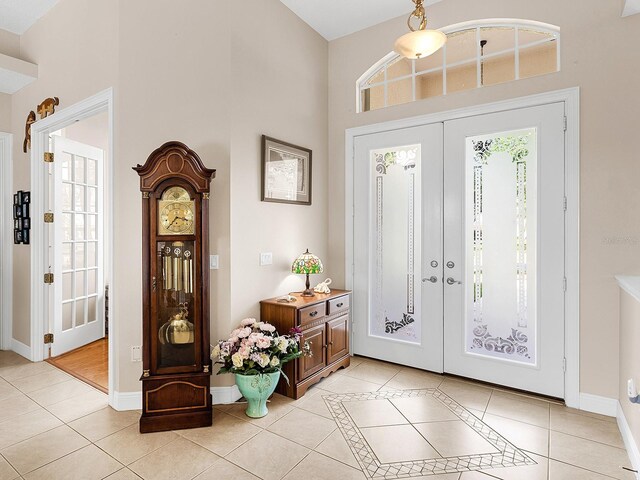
x=396 y=244
x=501 y=231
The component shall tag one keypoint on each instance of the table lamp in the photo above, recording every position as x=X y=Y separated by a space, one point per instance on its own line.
x=307 y=263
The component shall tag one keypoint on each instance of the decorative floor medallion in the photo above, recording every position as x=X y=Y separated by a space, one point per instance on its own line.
x=503 y=454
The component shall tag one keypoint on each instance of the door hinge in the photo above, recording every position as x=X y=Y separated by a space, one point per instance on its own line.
x=564 y=364
x=564 y=284
x=48 y=278
x=48 y=338
x=565 y=123
x=48 y=217
x=564 y=203
x=48 y=157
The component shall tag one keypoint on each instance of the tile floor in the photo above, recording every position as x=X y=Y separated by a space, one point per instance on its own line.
x=54 y=427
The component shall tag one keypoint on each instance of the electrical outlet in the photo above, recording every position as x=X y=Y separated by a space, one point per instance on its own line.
x=213 y=262
x=136 y=354
x=266 y=259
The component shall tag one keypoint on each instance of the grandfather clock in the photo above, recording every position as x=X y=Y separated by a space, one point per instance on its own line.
x=175 y=288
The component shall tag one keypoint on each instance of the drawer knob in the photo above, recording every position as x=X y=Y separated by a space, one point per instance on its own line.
x=339 y=304
x=313 y=314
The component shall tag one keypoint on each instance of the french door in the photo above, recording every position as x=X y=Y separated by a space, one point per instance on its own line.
x=398 y=242
x=486 y=230
x=78 y=297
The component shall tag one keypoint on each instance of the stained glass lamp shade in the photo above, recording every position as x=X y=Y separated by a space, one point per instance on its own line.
x=307 y=264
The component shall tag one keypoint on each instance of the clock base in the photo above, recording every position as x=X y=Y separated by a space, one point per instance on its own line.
x=175 y=402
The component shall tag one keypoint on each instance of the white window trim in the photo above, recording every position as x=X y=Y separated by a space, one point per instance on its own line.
x=516 y=24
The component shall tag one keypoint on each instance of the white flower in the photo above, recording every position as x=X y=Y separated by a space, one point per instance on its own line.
x=237 y=360
x=215 y=353
x=263 y=361
x=247 y=322
x=267 y=327
x=283 y=344
x=274 y=362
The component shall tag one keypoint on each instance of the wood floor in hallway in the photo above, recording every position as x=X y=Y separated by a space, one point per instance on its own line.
x=89 y=364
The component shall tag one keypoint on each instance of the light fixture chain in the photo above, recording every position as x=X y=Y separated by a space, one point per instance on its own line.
x=420 y=14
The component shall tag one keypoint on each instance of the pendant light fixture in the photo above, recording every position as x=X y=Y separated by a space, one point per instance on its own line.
x=419 y=43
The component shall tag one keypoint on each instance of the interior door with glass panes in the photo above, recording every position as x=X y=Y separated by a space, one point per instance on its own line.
x=78 y=299
x=397 y=283
x=504 y=248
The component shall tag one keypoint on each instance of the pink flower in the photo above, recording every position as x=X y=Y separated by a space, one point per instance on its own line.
x=263 y=342
x=245 y=332
x=267 y=327
x=245 y=350
x=247 y=322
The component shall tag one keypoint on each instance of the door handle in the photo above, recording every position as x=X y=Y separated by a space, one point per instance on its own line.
x=452 y=281
x=432 y=279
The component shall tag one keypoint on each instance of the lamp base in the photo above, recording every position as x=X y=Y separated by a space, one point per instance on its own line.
x=308 y=292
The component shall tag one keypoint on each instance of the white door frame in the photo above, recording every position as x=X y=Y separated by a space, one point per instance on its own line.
x=101 y=102
x=571 y=98
x=6 y=241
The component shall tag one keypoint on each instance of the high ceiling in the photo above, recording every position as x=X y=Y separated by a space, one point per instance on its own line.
x=336 y=18
x=18 y=15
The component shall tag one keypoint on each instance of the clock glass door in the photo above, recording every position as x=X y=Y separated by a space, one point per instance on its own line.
x=175 y=304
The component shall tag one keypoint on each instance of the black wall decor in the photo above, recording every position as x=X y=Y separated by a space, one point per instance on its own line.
x=21 y=219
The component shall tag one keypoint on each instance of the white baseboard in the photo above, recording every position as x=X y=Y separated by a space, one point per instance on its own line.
x=21 y=349
x=629 y=441
x=133 y=400
x=127 y=401
x=596 y=404
x=223 y=395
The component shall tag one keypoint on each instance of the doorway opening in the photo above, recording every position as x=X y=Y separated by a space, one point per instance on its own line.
x=70 y=322
x=79 y=304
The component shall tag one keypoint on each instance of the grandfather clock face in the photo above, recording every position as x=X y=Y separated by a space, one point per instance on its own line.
x=176 y=213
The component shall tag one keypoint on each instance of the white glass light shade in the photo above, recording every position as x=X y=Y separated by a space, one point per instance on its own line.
x=420 y=44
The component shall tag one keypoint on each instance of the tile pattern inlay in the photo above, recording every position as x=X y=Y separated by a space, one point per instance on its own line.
x=508 y=455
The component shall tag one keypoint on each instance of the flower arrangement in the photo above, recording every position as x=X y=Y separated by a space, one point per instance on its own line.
x=255 y=348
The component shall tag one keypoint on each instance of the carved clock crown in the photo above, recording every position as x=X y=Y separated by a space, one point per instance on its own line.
x=174 y=160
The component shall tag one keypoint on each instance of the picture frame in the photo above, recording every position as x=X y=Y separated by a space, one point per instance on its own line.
x=286 y=172
x=25 y=236
x=17 y=236
x=25 y=210
x=16 y=199
x=17 y=224
x=26 y=223
x=26 y=197
x=17 y=211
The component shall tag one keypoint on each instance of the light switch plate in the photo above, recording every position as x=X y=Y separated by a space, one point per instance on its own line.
x=266 y=258
x=213 y=262
x=136 y=354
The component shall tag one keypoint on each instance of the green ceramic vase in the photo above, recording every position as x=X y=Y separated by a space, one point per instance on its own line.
x=256 y=389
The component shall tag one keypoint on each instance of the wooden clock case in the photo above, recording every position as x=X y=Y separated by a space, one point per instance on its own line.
x=175 y=392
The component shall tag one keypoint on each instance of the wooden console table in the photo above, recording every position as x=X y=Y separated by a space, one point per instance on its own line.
x=324 y=320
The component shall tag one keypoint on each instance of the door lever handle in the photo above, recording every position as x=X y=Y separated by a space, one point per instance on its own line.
x=452 y=281
x=432 y=279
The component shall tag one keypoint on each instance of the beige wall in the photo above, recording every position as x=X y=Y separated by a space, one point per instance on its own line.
x=190 y=74
x=629 y=358
x=610 y=171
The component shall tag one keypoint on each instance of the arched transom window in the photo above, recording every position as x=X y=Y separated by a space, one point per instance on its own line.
x=476 y=54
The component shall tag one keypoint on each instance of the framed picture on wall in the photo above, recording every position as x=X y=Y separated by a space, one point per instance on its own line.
x=286 y=172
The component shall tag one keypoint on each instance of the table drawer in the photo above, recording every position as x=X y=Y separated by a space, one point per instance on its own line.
x=312 y=313
x=338 y=304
